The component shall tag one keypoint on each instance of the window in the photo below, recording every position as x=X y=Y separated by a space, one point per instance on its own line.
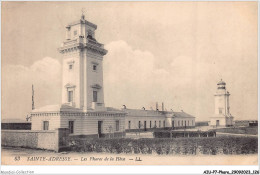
x=150 y=124
x=70 y=96
x=178 y=123
x=139 y=124
x=129 y=124
x=70 y=66
x=117 y=125
x=188 y=123
x=75 y=32
x=155 y=124
x=192 y=123
x=164 y=124
x=94 y=96
x=220 y=110
x=45 y=125
x=71 y=127
x=94 y=67
x=159 y=124
x=182 y=123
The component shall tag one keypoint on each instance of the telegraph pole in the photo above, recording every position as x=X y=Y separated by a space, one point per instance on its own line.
x=33 y=98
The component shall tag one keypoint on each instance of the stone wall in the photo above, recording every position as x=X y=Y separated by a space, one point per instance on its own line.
x=50 y=140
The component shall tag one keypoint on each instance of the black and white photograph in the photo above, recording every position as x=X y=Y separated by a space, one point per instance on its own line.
x=129 y=83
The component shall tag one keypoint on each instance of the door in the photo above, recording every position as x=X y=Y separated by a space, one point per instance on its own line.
x=145 y=125
x=100 y=123
x=71 y=127
x=217 y=123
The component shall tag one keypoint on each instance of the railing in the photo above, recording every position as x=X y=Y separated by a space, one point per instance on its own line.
x=70 y=42
x=95 y=43
x=82 y=40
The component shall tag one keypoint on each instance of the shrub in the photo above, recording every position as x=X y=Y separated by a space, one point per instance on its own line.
x=166 y=146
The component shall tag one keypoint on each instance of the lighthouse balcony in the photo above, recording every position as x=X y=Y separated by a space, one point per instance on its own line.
x=82 y=40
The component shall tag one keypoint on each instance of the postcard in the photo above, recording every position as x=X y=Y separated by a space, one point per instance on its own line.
x=129 y=83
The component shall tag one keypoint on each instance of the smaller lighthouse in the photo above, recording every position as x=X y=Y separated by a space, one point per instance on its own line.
x=222 y=116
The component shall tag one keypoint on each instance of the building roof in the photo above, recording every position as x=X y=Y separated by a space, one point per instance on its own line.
x=55 y=108
x=47 y=108
x=151 y=113
x=83 y=21
x=141 y=112
x=14 y=120
x=182 y=115
x=67 y=108
x=112 y=109
x=221 y=82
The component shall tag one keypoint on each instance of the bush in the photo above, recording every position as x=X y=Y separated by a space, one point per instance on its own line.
x=166 y=146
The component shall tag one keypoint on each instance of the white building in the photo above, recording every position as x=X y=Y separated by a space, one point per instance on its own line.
x=82 y=110
x=149 y=120
x=222 y=116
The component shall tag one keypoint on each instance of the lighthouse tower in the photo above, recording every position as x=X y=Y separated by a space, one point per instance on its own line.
x=222 y=116
x=82 y=70
x=82 y=110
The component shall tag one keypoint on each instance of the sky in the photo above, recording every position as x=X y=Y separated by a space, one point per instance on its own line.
x=171 y=52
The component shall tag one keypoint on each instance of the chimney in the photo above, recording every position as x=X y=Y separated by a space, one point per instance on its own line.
x=162 y=106
x=156 y=106
x=143 y=108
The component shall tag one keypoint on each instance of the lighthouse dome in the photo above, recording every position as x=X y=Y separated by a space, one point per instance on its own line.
x=221 y=82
